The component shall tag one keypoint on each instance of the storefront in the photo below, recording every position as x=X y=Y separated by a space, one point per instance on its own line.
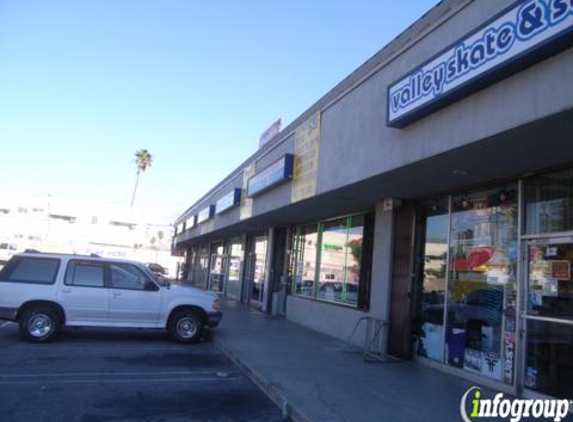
x=486 y=257
x=432 y=189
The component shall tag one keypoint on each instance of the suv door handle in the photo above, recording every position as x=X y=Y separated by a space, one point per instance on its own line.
x=66 y=290
x=117 y=294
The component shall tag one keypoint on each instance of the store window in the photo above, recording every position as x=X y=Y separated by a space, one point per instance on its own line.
x=305 y=256
x=549 y=202
x=431 y=292
x=198 y=272
x=328 y=260
x=480 y=330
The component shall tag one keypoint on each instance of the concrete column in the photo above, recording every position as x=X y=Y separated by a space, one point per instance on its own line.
x=380 y=293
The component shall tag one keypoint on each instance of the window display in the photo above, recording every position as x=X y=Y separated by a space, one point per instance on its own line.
x=480 y=330
x=472 y=275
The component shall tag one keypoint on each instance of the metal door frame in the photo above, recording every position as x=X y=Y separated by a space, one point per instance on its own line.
x=527 y=241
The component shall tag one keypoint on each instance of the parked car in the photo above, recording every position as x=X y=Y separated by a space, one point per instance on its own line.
x=43 y=292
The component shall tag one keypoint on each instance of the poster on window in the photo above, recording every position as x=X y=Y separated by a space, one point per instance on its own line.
x=561 y=270
x=306 y=158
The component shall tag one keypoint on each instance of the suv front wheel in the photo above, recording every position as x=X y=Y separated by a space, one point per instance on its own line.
x=39 y=324
x=185 y=327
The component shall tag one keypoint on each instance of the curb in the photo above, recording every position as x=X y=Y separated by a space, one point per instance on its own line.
x=273 y=392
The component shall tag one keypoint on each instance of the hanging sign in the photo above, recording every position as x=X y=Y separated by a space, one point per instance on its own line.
x=275 y=174
x=523 y=34
x=231 y=200
x=206 y=214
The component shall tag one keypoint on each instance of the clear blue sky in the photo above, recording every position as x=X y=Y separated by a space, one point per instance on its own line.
x=84 y=83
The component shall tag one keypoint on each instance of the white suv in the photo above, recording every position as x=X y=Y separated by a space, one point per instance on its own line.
x=43 y=292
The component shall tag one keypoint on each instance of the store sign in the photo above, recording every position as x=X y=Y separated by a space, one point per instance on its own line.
x=231 y=200
x=275 y=174
x=306 y=161
x=525 y=33
x=271 y=132
x=206 y=214
x=190 y=222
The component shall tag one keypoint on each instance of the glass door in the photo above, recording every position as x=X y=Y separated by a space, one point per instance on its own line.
x=234 y=263
x=217 y=272
x=548 y=317
x=256 y=269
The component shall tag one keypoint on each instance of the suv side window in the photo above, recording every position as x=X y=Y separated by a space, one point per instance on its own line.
x=31 y=270
x=85 y=274
x=127 y=276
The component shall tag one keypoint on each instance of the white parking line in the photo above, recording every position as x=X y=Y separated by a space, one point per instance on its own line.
x=116 y=381
x=107 y=374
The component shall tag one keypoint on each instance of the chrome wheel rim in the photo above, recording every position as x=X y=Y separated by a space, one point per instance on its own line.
x=40 y=325
x=187 y=327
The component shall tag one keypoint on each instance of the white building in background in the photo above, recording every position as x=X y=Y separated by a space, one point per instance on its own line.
x=69 y=225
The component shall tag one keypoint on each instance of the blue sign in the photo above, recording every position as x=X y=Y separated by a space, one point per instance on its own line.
x=206 y=214
x=231 y=200
x=275 y=174
x=523 y=34
x=190 y=222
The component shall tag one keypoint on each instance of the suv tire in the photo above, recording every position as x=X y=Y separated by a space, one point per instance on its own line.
x=185 y=327
x=39 y=324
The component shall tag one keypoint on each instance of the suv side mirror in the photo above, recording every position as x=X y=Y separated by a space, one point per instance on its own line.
x=150 y=286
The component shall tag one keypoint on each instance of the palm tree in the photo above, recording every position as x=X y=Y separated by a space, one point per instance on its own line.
x=143 y=160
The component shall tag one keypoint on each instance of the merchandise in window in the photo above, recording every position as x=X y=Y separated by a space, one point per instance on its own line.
x=480 y=330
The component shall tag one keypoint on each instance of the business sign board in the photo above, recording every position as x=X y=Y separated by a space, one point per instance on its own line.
x=231 y=200
x=306 y=159
x=523 y=34
x=190 y=222
x=271 y=132
x=275 y=174
x=206 y=214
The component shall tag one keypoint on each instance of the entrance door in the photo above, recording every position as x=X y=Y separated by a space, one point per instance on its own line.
x=548 y=317
x=256 y=269
x=217 y=272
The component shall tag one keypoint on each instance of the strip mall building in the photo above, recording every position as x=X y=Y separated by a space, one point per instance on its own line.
x=432 y=189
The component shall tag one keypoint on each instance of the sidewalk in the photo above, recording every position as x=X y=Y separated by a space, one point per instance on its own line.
x=309 y=376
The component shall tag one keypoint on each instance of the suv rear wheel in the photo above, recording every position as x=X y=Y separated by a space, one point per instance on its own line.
x=39 y=324
x=185 y=327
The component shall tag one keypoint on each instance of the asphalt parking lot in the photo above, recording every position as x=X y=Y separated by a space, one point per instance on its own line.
x=95 y=375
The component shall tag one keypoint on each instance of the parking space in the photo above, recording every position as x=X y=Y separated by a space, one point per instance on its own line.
x=95 y=375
